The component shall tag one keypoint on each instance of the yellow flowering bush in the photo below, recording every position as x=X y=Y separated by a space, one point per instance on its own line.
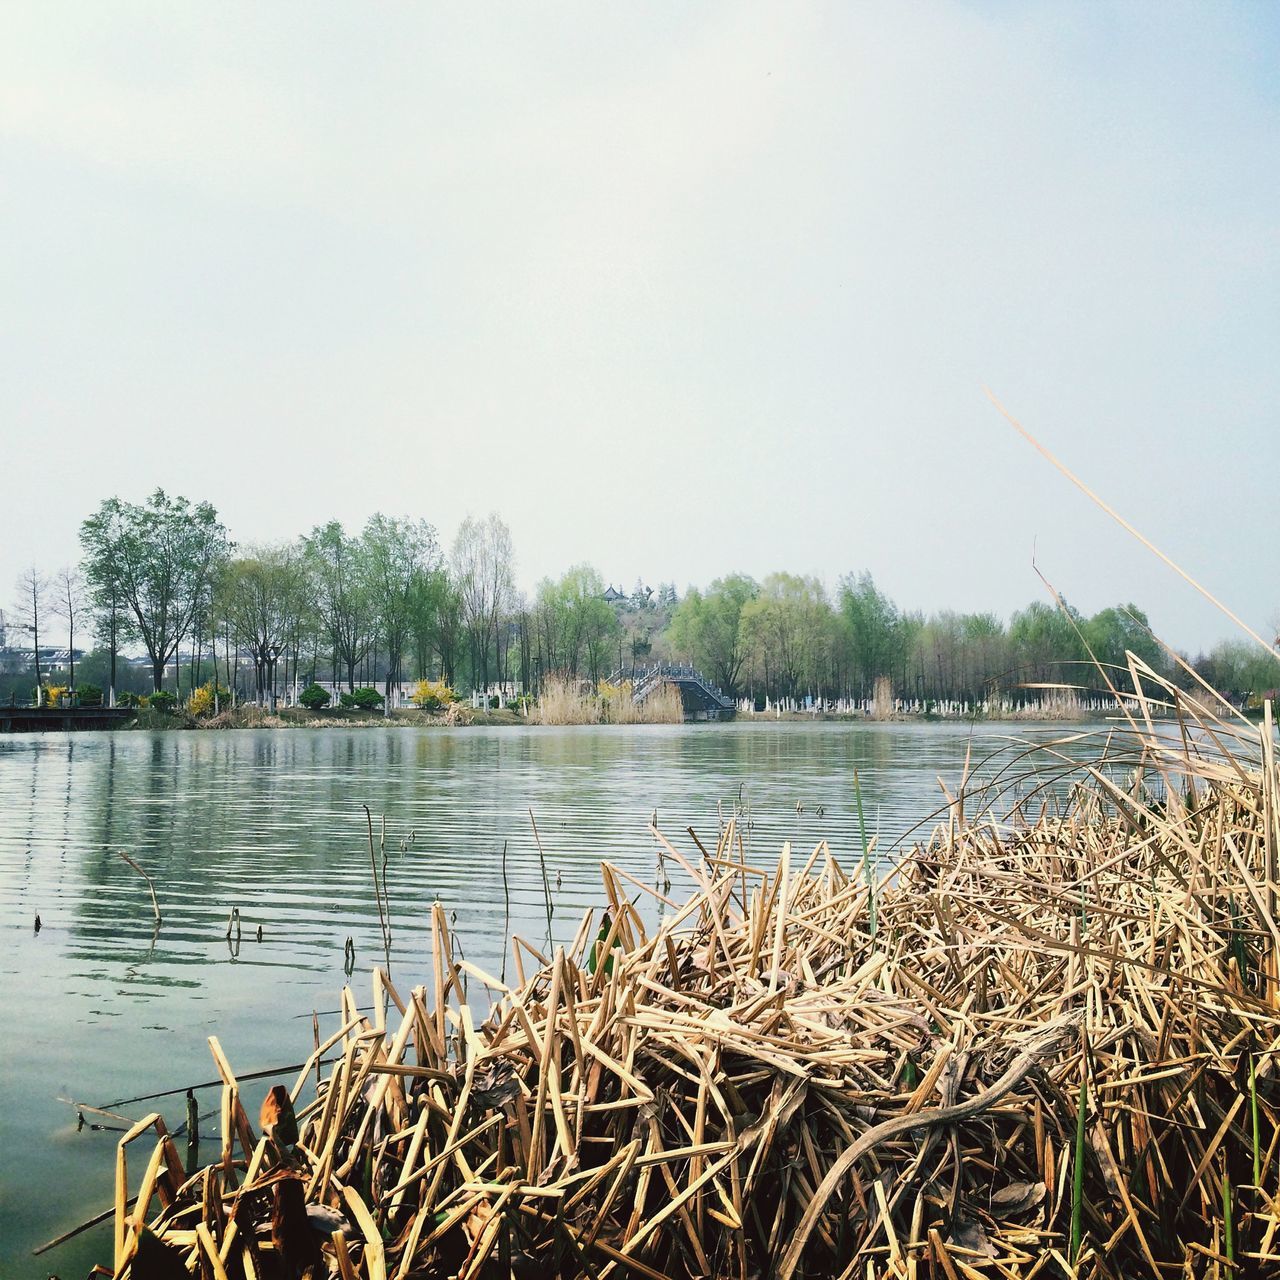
x=203 y=700
x=432 y=695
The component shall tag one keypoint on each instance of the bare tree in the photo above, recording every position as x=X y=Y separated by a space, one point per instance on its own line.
x=68 y=601
x=483 y=565
x=32 y=585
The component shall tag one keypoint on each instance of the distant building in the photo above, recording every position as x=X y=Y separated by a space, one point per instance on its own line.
x=612 y=596
x=20 y=659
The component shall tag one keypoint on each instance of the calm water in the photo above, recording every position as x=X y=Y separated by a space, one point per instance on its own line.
x=98 y=1007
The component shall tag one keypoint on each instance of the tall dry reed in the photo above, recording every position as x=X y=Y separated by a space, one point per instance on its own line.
x=566 y=701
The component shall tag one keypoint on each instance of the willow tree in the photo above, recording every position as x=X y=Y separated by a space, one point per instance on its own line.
x=787 y=628
x=260 y=595
x=161 y=558
x=483 y=565
x=707 y=628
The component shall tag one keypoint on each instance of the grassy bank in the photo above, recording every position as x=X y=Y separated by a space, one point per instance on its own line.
x=1040 y=1044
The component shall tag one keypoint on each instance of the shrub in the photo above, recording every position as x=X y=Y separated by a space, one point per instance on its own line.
x=162 y=700
x=206 y=698
x=130 y=699
x=432 y=695
x=51 y=694
x=494 y=702
x=365 y=699
x=314 y=698
x=90 y=695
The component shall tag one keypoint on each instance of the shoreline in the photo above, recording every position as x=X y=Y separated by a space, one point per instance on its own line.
x=293 y=718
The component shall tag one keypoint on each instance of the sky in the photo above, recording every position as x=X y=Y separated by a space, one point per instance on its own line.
x=678 y=290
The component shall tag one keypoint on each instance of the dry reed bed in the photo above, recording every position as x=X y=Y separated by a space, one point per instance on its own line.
x=1045 y=1047
x=564 y=701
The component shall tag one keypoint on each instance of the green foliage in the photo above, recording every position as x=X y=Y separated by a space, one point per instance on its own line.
x=157 y=561
x=339 y=588
x=1240 y=667
x=162 y=700
x=399 y=557
x=130 y=699
x=89 y=694
x=1048 y=643
x=364 y=699
x=876 y=632
x=314 y=698
x=1112 y=632
x=708 y=628
x=577 y=628
x=788 y=630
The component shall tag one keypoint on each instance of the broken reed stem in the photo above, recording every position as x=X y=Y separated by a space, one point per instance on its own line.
x=542 y=863
x=383 y=921
x=868 y=870
x=155 y=906
x=1077 y=1165
x=506 y=911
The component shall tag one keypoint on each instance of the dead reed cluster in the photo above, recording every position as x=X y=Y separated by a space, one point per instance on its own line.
x=1042 y=1046
x=564 y=701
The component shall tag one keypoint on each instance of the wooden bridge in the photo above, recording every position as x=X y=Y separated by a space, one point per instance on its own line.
x=701 y=699
x=44 y=719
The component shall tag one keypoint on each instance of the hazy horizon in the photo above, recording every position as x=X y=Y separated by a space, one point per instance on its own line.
x=675 y=292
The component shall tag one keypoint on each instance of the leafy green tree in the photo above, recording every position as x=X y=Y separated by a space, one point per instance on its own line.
x=102 y=575
x=96 y=668
x=787 y=627
x=399 y=555
x=1046 y=643
x=1238 y=668
x=708 y=628
x=161 y=556
x=575 y=625
x=340 y=592
x=873 y=627
x=435 y=623
x=260 y=595
x=1112 y=632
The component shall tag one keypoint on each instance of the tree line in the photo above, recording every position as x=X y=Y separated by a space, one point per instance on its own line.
x=387 y=603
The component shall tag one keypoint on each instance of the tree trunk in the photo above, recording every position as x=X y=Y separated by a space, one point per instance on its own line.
x=111 y=693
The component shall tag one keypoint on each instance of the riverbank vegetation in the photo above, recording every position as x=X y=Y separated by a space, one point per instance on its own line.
x=564 y=701
x=1045 y=1041
x=387 y=606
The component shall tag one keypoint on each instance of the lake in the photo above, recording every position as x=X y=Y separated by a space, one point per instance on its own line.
x=99 y=1005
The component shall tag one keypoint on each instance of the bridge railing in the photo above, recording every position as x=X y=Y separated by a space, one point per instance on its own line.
x=644 y=678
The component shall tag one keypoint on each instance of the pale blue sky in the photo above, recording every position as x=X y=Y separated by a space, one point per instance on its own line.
x=676 y=289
